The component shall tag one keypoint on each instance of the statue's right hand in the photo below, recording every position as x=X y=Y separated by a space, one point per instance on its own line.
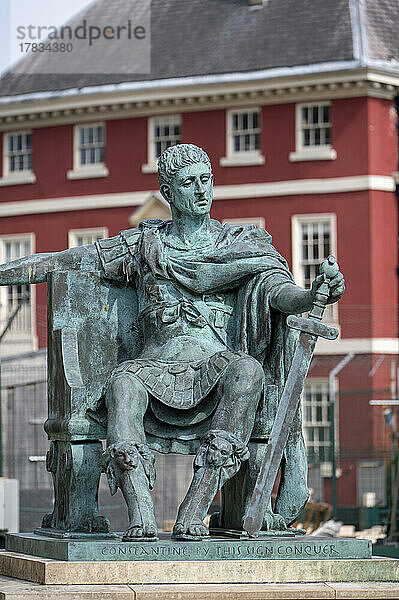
x=336 y=285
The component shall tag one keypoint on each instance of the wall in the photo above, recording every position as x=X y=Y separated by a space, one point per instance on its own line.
x=364 y=137
x=360 y=149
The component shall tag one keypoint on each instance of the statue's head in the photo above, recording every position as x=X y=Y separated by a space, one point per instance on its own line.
x=185 y=178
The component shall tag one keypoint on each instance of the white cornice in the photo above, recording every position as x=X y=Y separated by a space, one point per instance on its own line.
x=330 y=70
x=358 y=346
x=72 y=203
x=221 y=192
x=305 y=186
x=188 y=94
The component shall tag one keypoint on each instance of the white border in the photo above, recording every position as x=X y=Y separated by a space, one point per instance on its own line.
x=358 y=346
x=72 y=203
x=296 y=187
x=86 y=171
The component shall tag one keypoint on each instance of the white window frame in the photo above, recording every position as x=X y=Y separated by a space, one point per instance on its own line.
x=73 y=234
x=241 y=158
x=18 y=342
x=325 y=466
x=331 y=314
x=15 y=177
x=80 y=171
x=151 y=165
x=257 y=221
x=303 y=153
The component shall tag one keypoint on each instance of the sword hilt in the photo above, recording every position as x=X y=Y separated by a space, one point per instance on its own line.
x=329 y=269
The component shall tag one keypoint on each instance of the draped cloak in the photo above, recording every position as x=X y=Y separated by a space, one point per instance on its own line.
x=242 y=259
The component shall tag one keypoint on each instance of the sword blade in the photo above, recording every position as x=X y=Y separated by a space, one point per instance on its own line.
x=285 y=414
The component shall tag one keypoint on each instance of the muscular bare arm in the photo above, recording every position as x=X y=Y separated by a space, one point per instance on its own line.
x=34 y=269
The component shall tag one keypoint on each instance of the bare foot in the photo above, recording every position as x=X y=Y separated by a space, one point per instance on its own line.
x=273 y=522
x=193 y=531
x=137 y=532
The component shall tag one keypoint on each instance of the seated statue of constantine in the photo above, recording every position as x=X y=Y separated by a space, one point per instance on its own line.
x=215 y=353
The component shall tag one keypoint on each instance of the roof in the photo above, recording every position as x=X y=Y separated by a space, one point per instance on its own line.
x=211 y=37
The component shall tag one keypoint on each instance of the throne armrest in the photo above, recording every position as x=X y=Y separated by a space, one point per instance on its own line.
x=92 y=327
x=70 y=422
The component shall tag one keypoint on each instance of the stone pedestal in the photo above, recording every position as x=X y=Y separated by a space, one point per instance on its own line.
x=290 y=567
x=267 y=548
x=26 y=577
x=138 y=572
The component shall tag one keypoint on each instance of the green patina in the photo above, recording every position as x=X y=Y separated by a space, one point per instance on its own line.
x=272 y=548
x=171 y=337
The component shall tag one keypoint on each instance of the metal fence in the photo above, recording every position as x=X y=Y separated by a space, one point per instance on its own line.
x=24 y=443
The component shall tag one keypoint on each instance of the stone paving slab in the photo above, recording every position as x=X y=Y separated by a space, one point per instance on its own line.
x=12 y=589
x=363 y=591
x=53 y=572
x=254 y=591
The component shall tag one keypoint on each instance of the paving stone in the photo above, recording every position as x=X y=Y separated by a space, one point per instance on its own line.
x=14 y=589
x=257 y=591
x=360 y=591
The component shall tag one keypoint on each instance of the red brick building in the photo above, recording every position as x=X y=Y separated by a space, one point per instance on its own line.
x=297 y=112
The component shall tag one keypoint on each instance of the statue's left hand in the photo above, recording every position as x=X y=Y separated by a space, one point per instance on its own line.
x=337 y=287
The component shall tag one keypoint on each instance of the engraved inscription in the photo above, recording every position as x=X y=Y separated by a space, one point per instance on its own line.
x=148 y=552
x=224 y=551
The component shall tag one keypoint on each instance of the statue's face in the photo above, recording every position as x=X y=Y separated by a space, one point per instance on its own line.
x=190 y=191
x=218 y=452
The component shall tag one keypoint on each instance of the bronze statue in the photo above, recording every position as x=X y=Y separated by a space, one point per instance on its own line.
x=214 y=358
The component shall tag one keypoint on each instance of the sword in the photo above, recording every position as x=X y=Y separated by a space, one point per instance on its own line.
x=310 y=329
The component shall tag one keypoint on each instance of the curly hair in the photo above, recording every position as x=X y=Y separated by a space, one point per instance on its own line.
x=176 y=157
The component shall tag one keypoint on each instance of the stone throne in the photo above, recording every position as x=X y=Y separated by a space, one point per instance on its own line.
x=92 y=327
